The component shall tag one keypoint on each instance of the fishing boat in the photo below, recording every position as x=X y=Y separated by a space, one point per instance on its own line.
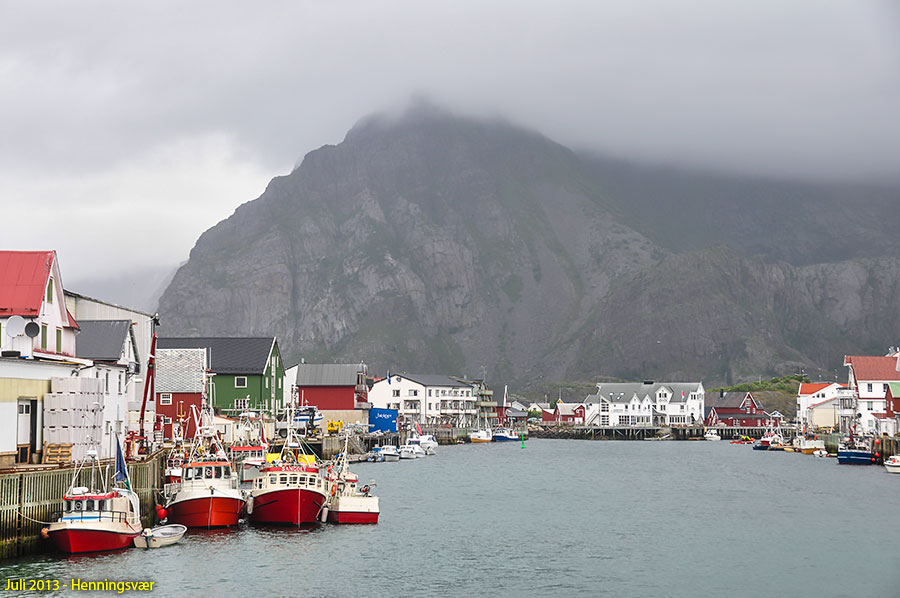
x=289 y=490
x=855 y=452
x=347 y=501
x=770 y=441
x=97 y=517
x=892 y=464
x=209 y=493
x=389 y=452
x=808 y=446
x=158 y=537
x=711 y=435
x=505 y=435
x=481 y=436
x=374 y=455
x=248 y=451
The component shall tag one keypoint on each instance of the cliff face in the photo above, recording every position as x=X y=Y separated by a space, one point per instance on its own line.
x=431 y=243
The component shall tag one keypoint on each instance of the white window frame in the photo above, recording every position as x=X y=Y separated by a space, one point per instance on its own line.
x=242 y=403
x=244 y=378
x=165 y=398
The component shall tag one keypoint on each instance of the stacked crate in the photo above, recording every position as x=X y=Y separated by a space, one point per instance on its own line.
x=73 y=414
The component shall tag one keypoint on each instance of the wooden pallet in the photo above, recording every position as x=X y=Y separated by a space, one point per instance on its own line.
x=57 y=453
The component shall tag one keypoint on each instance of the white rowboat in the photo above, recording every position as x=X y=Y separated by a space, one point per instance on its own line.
x=160 y=536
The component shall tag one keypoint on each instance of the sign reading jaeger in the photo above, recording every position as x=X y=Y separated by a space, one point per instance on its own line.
x=383 y=420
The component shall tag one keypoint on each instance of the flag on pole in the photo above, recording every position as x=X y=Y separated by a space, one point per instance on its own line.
x=121 y=467
x=418 y=429
x=389 y=376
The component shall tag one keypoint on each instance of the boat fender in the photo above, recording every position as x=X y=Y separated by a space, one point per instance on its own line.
x=45 y=532
x=324 y=516
x=249 y=504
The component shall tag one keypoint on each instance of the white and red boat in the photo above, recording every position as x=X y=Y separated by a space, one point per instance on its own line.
x=289 y=490
x=208 y=494
x=248 y=452
x=347 y=501
x=97 y=519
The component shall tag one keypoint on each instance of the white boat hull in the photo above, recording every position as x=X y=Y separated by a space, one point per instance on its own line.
x=160 y=536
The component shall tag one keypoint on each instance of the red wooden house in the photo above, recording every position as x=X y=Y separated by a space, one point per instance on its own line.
x=332 y=386
x=180 y=383
x=568 y=413
x=739 y=410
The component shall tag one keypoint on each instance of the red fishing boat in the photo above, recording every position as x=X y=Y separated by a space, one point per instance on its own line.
x=208 y=494
x=97 y=518
x=347 y=501
x=288 y=491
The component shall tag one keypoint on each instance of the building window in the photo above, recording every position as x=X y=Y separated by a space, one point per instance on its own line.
x=869 y=387
x=242 y=403
x=396 y=392
x=429 y=392
x=165 y=398
x=44 y=337
x=267 y=383
x=869 y=405
x=240 y=381
x=885 y=388
x=413 y=392
x=167 y=420
x=120 y=382
x=50 y=290
x=59 y=340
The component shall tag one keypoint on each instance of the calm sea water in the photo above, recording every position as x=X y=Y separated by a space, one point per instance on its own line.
x=558 y=518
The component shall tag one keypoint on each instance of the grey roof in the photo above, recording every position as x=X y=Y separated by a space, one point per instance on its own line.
x=328 y=374
x=622 y=392
x=102 y=340
x=228 y=355
x=436 y=380
x=731 y=399
x=180 y=370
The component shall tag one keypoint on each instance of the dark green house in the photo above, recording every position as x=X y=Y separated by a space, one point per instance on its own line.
x=248 y=371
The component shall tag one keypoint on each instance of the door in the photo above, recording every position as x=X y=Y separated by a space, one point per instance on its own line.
x=23 y=431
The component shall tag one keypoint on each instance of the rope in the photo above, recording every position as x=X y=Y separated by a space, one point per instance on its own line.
x=35 y=520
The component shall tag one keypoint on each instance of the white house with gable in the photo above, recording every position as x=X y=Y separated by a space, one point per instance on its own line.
x=646 y=404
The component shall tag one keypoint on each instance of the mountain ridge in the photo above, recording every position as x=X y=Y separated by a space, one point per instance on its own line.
x=430 y=242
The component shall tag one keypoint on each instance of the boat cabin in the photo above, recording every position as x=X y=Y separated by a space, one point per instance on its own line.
x=113 y=506
x=206 y=471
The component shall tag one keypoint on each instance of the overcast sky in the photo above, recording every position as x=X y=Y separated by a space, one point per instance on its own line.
x=129 y=128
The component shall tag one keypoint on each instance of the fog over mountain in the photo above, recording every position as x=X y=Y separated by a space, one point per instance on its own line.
x=433 y=242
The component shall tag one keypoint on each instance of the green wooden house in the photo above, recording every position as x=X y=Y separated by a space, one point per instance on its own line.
x=247 y=371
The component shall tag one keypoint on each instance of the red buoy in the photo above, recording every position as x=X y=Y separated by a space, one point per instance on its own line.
x=162 y=512
x=877 y=454
x=877 y=441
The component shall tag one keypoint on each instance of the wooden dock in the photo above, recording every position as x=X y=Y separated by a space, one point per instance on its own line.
x=29 y=497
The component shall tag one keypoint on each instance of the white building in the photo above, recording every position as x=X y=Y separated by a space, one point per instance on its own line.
x=646 y=404
x=869 y=379
x=427 y=399
x=112 y=347
x=815 y=394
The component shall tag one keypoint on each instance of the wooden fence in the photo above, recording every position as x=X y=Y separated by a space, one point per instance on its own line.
x=29 y=499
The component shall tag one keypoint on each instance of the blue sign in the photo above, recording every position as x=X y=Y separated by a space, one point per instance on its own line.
x=382 y=420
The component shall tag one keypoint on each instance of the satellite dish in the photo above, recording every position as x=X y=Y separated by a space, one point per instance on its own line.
x=15 y=326
x=32 y=330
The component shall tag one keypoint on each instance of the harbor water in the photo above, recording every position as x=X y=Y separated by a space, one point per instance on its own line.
x=558 y=518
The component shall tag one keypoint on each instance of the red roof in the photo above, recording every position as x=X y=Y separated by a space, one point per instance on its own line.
x=811 y=389
x=23 y=281
x=866 y=367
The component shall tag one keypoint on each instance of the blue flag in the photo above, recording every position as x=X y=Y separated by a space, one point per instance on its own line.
x=121 y=468
x=389 y=376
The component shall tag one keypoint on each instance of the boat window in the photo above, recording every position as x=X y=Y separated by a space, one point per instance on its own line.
x=226 y=472
x=77 y=505
x=101 y=505
x=89 y=505
x=293 y=479
x=219 y=472
x=208 y=472
x=68 y=504
x=284 y=478
x=273 y=479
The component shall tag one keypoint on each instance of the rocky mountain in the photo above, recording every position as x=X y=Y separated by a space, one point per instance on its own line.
x=432 y=243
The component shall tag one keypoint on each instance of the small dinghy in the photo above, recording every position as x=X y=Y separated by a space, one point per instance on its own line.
x=160 y=536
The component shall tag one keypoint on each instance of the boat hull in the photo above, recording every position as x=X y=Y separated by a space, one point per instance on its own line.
x=289 y=506
x=206 y=511
x=74 y=540
x=354 y=509
x=847 y=457
x=892 y=465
